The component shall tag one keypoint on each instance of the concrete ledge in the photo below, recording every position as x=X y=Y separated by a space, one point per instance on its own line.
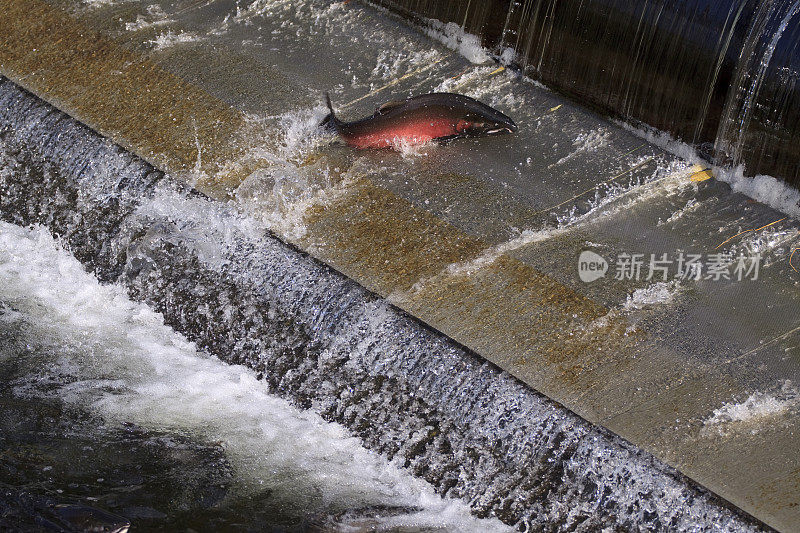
x=435 y=235
x=324 y=342
x=75 y=65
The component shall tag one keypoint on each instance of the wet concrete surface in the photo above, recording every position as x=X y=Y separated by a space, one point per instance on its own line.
x=479 y=238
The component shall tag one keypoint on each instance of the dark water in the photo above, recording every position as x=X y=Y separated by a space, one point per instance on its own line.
x=60 y=467
x=721 y=75
x=57 y=458
x=81 y=451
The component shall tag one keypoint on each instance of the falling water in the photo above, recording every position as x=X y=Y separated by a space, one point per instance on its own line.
x=318 y=340
x=719 y=75
x=753 y=65
x=323 y=343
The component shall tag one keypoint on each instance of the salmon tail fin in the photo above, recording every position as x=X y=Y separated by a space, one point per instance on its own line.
x=328 y=102
x=330 y=122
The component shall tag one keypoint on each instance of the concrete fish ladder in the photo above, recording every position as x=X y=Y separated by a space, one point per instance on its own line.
x=324 y=342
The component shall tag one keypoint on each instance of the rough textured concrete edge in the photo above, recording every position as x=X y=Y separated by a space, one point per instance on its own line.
x=322 y=341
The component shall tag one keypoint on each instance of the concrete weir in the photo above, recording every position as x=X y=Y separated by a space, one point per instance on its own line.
x=320 y=339
x=427 y=300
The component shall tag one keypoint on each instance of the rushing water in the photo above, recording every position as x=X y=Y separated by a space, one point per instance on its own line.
x=153 y=428
x=720 y=75
x=311 y=336
x=105 y=406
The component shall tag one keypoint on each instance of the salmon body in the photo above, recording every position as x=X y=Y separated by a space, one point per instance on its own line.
x=417 y=120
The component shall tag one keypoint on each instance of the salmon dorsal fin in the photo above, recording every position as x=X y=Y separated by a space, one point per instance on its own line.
x=388 y=106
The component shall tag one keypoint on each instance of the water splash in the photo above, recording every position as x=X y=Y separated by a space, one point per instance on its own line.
x=155 y=17
x=119 y=360
x=669 y=66
x=755 y=413
x=454 y=37
x=170 y=39
x=326 y=344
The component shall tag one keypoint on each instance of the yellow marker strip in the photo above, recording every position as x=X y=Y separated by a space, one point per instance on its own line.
x=498 y=71
x=740 y=233
x=790 y=260
x=460 y=74
x=594 y=188
x=394 y=82
x=631 y=151
x=702 y=175
x=770 y=224
x=556 y=108
x=749 y=230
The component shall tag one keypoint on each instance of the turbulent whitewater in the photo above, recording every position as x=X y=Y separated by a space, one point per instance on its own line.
x=313 y=338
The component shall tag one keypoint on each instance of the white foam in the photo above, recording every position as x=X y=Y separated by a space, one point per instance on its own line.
x=691 y=206
x=125 y=365
x=492 y=254
x=485 y=260
x=155 y=17
x=94 y=4
x=765 y=189
x=480 y=83
x=759 y=409
x=300 y=132
x=657 y=293
x=653 y=295
x=455 y=38
x=170 y=39
x=665 y=141
x=392 y=63
x=507 y=56
x=770 y=244
x=586 y=142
